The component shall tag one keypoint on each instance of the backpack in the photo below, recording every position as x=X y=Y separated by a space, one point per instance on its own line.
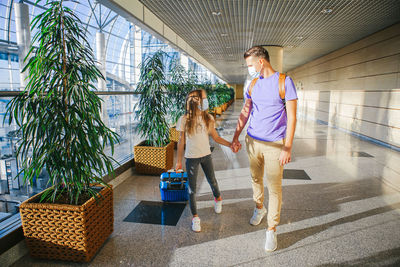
x=282 y=78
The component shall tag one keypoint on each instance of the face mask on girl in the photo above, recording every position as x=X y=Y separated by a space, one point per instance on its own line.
x=204 y=107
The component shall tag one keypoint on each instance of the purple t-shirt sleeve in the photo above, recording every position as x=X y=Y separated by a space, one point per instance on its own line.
x=290 y=89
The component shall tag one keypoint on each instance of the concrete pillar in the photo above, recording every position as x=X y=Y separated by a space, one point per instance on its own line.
x=185 y=62
x=138 y=52
x=101 y=59
x=101 y=64
x=275 y=57
x=23 y=37
x=121 y=58
x=132 y=80
x=10 y=73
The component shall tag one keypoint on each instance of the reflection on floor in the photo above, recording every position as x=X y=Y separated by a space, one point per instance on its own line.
x=156 y=213
x=360 y=154
x=340 y=213
x=295 y=175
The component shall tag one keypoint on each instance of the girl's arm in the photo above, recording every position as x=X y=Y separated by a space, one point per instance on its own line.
x=216 y=136
x=181 y=148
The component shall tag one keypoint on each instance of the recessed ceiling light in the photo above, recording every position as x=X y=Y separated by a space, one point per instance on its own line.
x=224 y=34
x=299 y=37
x=216 y=13
x=228 y=47
x=327 y=11
x=289 y=46
x=231 y=55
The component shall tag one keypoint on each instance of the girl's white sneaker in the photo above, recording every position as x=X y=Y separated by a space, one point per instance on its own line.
x=196 y=224
x=217 y=206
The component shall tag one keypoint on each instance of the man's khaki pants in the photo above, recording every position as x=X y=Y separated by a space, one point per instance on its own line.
x=266 y=155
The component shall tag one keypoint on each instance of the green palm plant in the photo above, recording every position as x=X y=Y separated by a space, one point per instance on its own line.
x=178 y=89
x=211 y=96
x=223 y=92
x=153 y=102
x=58 y=114
x=192 y=80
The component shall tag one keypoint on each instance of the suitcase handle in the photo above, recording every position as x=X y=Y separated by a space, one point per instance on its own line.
x=173 y=170
x=176 y=171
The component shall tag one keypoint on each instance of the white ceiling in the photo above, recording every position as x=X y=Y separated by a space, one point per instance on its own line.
x=299 y=26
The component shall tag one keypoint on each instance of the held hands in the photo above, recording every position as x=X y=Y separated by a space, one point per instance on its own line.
x=235 y=145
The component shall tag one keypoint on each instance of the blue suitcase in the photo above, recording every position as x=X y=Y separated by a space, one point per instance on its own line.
x=174 y=186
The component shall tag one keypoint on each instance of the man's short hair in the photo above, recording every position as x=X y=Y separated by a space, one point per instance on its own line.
x=257 y=51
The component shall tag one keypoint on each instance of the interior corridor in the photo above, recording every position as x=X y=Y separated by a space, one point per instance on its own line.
x=337 y=210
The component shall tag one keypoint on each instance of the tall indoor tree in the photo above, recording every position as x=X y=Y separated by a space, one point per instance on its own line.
x=155 y=154
x=58 y=113
x=178 y=89
x=153 y=105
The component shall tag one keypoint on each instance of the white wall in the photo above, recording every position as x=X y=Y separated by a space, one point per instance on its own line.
x=356 y=87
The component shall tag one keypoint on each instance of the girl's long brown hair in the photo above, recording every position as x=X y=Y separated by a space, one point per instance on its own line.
x=193 y=99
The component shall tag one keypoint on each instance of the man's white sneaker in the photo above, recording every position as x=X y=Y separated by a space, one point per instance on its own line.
x=271 y=242
x=196 y=224
x=258 y=215
x=217 y=206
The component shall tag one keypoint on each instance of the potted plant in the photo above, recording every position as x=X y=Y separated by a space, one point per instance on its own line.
x=58 y=116
x=155 y=154
x=224 y=94
x=178 y=88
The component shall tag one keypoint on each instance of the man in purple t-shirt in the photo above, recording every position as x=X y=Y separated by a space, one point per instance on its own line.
x=269 y=136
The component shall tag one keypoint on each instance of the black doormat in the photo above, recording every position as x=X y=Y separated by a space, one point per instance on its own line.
x=151 y=212
x=295 y=175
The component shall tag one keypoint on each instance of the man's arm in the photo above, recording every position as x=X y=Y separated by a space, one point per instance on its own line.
x=243 y=117
x=286 y=154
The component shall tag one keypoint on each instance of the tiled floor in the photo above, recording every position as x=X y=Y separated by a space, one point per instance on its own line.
x=336 y=210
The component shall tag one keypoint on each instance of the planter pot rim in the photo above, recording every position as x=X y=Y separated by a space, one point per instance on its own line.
x=153 y=147
x=28 y=203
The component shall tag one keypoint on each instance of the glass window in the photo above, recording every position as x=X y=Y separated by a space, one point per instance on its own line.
x=124 y=49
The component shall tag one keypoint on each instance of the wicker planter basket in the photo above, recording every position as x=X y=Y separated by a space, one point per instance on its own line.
x=153 y=160
x=67 y=232
x=173 y=135
x=218 y=110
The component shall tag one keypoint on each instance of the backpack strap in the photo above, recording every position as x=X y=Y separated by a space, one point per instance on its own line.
x=253 y=82
x=282 y=78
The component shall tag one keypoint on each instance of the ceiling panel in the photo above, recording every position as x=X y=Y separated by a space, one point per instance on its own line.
x=300 y=26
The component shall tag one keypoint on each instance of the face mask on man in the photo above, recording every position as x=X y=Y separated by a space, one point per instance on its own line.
x=204 y=107
x=253 y=73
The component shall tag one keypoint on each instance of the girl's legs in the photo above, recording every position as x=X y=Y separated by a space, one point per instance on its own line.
x=192 y=167
x=208 y=168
